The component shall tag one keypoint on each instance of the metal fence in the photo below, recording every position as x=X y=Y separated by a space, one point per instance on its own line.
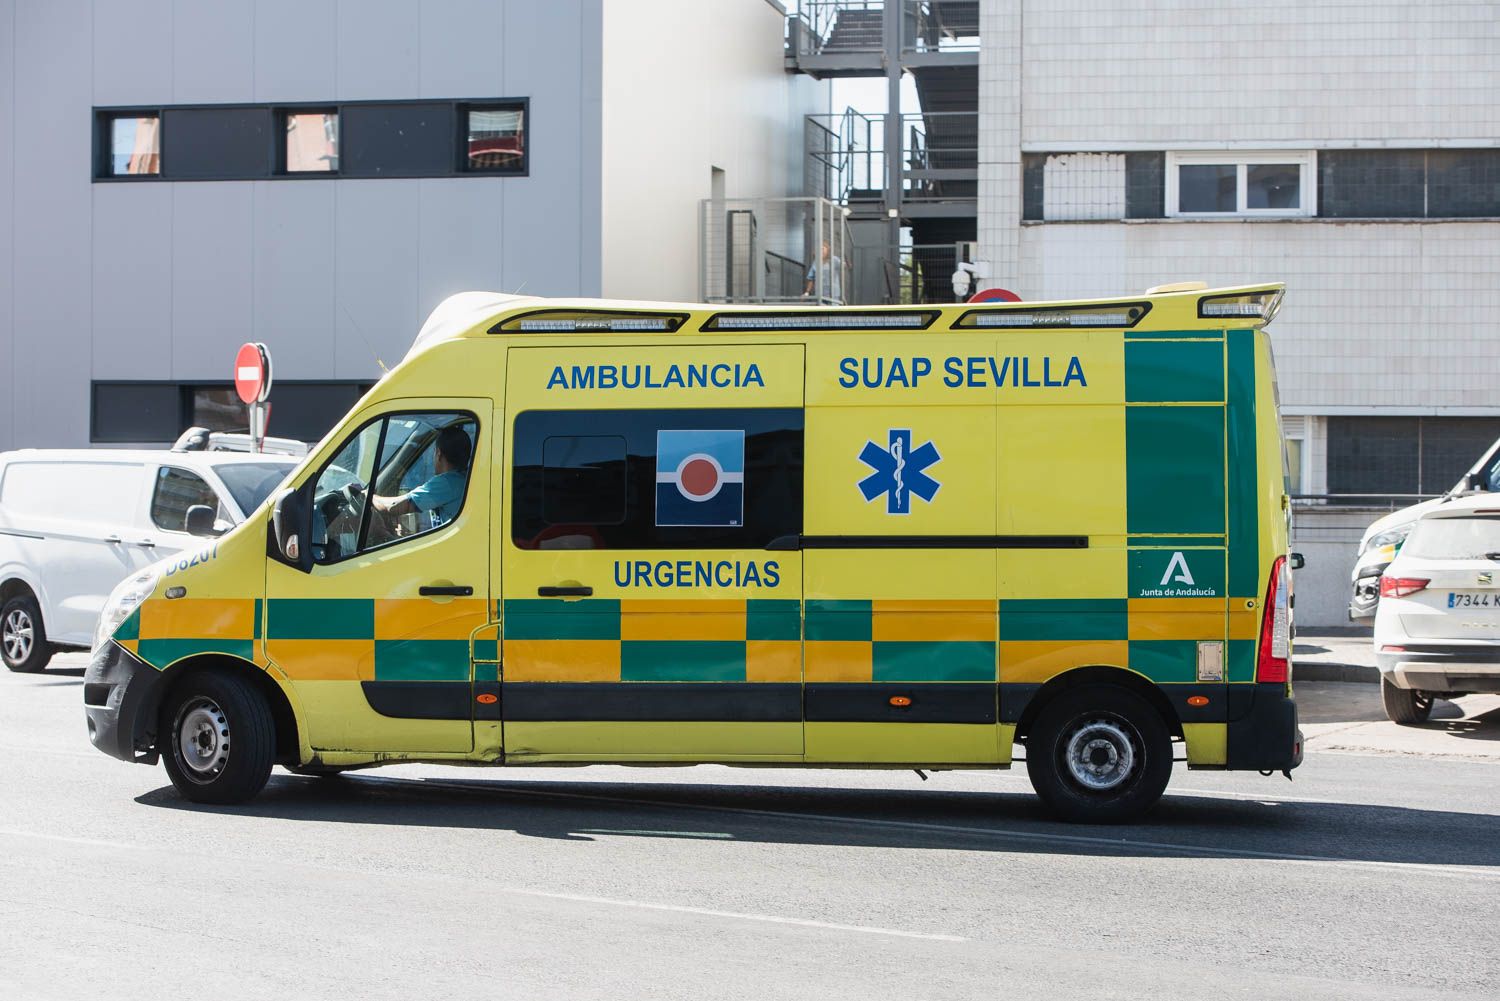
x=772 y=250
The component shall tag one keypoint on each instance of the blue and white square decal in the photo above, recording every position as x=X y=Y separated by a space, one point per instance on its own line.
x=700 y=478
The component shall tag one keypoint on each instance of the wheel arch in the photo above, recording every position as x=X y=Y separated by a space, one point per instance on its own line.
x=288 y=736
x=15 y=585
x=1098 y=674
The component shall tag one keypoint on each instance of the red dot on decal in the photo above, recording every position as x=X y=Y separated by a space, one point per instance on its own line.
x=698 y=477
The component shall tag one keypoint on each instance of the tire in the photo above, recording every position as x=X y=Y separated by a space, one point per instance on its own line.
x=23 y=639
x=1128 y=748
x=1406 y=706
x=218 y=738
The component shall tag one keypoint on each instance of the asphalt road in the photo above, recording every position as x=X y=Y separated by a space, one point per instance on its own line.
x=1370 y=876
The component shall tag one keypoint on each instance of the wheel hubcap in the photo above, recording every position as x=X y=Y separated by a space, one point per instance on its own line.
x=202 y=739
x=1101 y=754
x=18 y=636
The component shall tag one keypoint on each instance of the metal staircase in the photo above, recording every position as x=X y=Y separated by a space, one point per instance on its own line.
x=908 y=178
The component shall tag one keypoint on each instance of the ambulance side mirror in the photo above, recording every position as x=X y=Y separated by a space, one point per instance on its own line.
x=291 y=529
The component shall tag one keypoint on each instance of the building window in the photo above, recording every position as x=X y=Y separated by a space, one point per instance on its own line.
x=495 y=138
x=1294 y=466
x=133 y=142
x=1240 y=184
x=310 y=141
x=660 y=479
x=1403 y=457
x=158 y=412
x=235 y=142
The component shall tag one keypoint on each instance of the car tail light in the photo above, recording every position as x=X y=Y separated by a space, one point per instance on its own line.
x=1400 y=587
x=1392 y=648
x=1274 y=660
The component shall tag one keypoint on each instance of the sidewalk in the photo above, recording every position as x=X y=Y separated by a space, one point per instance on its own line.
x=1344 y=654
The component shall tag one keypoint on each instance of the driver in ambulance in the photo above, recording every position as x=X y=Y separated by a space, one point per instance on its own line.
x=443 y=493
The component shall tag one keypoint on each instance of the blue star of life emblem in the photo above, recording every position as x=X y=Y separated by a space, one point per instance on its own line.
x=898 y=472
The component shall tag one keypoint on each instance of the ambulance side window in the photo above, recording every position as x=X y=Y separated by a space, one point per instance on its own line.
x=396 y=478
x=656 y=479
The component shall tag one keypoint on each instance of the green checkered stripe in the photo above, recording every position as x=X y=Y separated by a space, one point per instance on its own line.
x=352 y=623
x=709 y=656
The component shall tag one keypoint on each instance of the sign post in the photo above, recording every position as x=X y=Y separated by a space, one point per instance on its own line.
x=252 y=381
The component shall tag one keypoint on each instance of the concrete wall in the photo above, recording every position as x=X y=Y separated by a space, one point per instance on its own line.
x=1379 y=316
x=689 y=85
x=160 y=280
x=1182 y=71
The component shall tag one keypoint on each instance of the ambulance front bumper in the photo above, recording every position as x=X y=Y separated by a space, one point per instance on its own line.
x=1264 y=736
x=121 y=694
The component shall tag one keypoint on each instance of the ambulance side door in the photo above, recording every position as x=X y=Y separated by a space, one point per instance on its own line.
x=376 y=637
x=650 y=586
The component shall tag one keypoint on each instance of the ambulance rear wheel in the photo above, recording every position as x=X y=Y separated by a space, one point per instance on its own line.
x=1099 y=755
x=218 y=739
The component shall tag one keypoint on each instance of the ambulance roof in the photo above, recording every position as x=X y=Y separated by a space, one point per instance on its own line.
x=1185 y=305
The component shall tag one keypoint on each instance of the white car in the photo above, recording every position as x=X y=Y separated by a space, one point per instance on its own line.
x=74 y=523
x=1383 y=538
x=1437 y=629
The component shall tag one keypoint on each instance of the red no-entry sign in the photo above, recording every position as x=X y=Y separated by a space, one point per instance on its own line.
x=252 y=373
x=994 y=295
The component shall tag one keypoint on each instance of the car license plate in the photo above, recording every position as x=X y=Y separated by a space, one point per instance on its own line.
x=1471 y=599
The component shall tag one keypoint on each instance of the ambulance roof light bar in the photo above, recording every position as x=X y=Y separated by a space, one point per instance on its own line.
x=1262 y=305
x=565 y=321
x=822 y=319
x=1125 y=314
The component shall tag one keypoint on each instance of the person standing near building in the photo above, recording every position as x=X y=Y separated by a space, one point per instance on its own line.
x=825 y=277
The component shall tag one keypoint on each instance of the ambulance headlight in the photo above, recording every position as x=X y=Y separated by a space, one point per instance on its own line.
x=123 y=600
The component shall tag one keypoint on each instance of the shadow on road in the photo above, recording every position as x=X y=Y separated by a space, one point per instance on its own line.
x=1187 y=826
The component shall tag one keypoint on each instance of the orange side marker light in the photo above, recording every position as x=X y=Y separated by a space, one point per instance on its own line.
x=487 y=699
x=1193 y=700
x=900 y=701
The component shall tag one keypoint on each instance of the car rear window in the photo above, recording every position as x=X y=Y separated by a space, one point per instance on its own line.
x=1455 y=538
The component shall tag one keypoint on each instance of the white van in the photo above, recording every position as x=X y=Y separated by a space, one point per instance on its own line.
x=74 y=523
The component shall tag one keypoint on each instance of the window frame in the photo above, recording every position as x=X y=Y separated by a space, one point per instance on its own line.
x=1300 y=472
x=280 y=115
x=364 y=520
x=455 y=162
x=104 y=119
x=462 y=110
x=1306 y=160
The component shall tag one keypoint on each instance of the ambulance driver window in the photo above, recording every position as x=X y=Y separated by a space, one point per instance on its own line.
x=656 y=479
x=397 y=478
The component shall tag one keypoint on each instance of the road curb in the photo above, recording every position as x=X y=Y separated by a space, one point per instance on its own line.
x=1335 y=672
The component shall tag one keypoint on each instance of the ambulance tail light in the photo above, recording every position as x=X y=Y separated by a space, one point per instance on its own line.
x=1252 y=305
x=1275 y=656
x=567 y=321
x=822 y=319
x=1125 y=314
x=1401 y=587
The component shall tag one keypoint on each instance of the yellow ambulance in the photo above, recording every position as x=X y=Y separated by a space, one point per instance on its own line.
x=566 y=532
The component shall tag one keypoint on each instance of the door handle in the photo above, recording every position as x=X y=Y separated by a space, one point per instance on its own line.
x=565 y=592
x=445 y=590
x=146 y=544
x=113 y=540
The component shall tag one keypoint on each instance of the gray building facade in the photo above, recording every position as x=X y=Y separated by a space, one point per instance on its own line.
x=122 y=296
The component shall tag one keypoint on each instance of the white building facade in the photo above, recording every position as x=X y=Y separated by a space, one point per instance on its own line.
x=1351 y=150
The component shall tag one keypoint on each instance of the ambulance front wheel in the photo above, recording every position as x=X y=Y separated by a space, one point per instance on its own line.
x=217 y=738
x=1099 y=755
